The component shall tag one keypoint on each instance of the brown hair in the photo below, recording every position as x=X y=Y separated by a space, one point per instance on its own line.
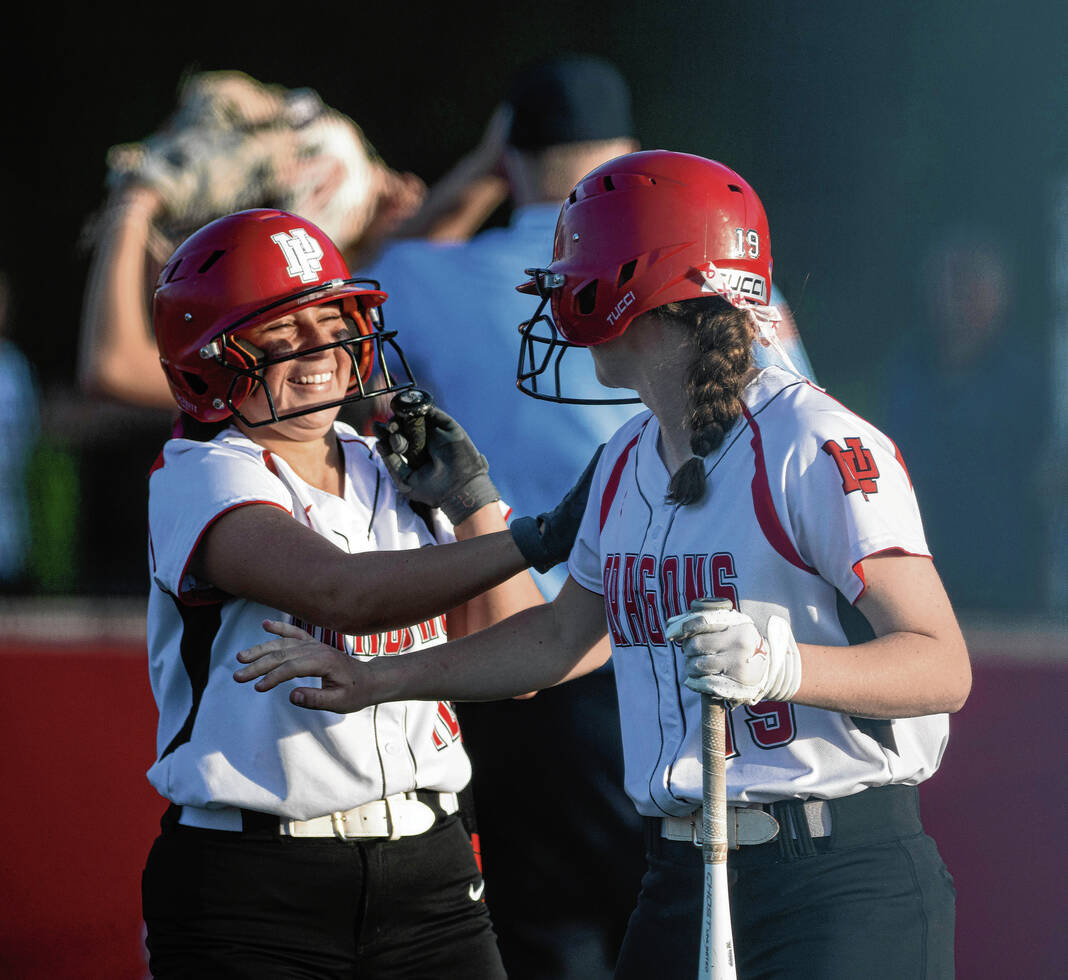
x=722 y=354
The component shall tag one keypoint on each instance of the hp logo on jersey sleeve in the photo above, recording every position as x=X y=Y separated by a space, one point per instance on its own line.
x=303 y=254
x=856 y=465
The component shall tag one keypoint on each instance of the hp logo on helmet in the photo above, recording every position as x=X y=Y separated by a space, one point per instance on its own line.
x=303 y=254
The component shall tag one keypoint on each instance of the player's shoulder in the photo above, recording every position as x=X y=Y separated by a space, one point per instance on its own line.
x=790 y=409
x=229 y=443
x=189 y=462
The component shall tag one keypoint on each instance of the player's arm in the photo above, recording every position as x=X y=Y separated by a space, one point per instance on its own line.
x=261 y=553
x=536 y=648
x=916 y=665
x=116 y=355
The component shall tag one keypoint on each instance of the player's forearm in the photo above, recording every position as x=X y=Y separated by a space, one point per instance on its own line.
x=385 y=590
x=900 y=675
x=527 y=652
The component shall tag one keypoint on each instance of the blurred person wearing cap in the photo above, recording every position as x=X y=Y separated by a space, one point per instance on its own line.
x=560 y=840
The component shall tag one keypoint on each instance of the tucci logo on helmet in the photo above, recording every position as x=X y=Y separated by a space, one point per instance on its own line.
x=735 y=285
x=303 y=254
x=617 y=311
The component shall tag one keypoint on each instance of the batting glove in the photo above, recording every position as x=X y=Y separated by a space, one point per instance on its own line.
x=728 y=658
x=455 y=476
x=546 y=540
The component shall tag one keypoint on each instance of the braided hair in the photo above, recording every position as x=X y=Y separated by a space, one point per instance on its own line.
x=722 y=354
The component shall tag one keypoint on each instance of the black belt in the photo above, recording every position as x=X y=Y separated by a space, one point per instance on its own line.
x=872 y=816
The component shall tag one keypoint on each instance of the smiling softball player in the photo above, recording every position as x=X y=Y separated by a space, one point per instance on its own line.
x=300 y=844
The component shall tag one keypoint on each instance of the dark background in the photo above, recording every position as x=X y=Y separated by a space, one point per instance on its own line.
x=865 y=127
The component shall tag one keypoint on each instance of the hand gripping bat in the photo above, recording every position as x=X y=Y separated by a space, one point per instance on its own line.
x=717 y=960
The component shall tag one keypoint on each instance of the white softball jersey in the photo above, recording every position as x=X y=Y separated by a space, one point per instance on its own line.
x=224 y=744
x=798 y=494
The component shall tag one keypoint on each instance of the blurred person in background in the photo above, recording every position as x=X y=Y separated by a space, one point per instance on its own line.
x=968 y=406
x=19 y=423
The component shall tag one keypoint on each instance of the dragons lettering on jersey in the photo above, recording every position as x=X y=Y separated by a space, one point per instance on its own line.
x=387 y=644
x=856 y=465
x=641 y=592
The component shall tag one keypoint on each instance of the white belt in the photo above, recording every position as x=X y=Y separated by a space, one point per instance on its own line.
x=750 y=824
x=400 y=815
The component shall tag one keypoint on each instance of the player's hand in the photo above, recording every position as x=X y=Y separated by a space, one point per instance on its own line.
x=546 y=540
x=727 y=657
x=455 y=476
x=346 y=683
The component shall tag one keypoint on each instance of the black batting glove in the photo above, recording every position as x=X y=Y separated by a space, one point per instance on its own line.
x=547 y=540
x=455 y=475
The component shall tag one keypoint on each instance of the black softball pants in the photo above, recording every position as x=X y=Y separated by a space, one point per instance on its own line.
x=872 y=900
x=238 y=905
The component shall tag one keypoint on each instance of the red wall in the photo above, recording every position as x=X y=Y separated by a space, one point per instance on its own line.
x=78 y=815
x=997 y=810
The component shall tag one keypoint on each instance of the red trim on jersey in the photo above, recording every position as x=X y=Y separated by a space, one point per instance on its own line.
x=859 y=572
x=157 y=465
x=901 y=460
x=764 y=507
x=215 y=597
x=268 y=461
x=616 y=475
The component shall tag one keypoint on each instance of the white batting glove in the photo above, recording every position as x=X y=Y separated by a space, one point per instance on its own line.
x=728 y=658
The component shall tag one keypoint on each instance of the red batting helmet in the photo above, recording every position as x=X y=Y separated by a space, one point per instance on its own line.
x=639 y=231
x=244 y=270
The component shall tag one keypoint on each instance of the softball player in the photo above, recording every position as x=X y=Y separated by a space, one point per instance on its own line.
x=748 y=484
x=299 y=844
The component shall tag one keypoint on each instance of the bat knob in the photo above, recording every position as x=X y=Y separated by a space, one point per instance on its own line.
x=410 y=407
x=710 y=604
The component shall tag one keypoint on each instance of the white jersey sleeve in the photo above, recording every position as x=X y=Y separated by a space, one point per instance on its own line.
x=192 y=485
x=843 y=487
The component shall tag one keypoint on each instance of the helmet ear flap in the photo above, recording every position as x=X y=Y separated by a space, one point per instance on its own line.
x=363 y=354
x=246 y=354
